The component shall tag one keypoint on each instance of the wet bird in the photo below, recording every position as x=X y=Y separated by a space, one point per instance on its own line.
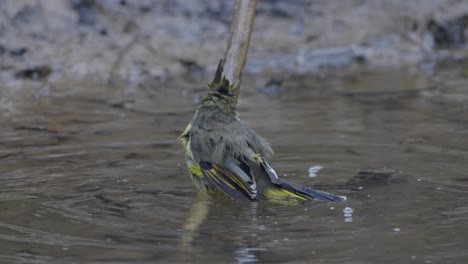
x=225 y=156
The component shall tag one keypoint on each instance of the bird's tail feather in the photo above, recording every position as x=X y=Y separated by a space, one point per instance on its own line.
x=301 y=191
x=309 y=192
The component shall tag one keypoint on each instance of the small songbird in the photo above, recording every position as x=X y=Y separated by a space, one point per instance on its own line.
x=226 y=156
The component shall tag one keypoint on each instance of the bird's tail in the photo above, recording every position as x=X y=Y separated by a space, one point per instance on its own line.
x=299 y=191
x=309 y=193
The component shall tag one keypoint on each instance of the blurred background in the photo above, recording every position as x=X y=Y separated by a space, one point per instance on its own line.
x=59 y=41
x=363 y=98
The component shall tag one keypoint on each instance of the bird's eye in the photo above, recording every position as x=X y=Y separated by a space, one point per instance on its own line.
x=224 y=90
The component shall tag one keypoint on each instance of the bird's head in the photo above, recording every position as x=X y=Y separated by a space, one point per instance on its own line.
x=221 y=94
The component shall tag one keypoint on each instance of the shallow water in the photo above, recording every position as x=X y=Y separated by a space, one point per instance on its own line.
x=85 y=180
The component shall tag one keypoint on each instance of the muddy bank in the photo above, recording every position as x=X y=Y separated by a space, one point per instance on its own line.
x=55 y=41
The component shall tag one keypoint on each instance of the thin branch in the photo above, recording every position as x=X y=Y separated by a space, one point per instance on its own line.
x=238 y=45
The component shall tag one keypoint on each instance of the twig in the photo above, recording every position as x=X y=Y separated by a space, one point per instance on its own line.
x=238 y=45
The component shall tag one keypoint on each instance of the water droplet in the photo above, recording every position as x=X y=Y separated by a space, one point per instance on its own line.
x=348 y=214
x=313 y=170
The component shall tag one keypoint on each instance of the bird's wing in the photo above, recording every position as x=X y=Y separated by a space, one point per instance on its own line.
x=301 y=191
x=233 y=177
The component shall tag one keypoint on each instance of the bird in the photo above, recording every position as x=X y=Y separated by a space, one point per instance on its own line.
x=226 y=157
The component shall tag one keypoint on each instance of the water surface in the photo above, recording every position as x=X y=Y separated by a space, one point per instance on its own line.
x=88 y=179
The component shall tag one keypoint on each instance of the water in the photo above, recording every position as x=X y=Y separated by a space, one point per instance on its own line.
x=313 y=171
x=87 y=179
